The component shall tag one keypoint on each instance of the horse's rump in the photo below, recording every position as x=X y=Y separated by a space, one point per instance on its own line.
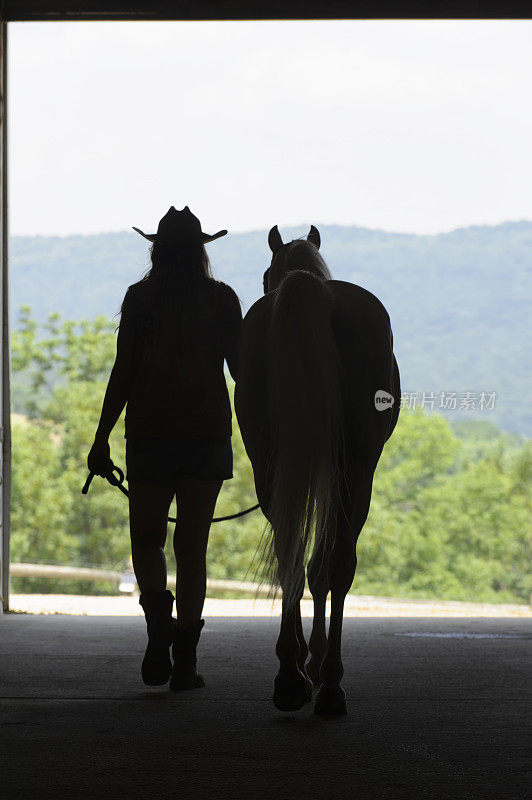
x=362 y=332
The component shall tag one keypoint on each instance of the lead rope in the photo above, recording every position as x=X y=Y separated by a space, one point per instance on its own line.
x=118 y=481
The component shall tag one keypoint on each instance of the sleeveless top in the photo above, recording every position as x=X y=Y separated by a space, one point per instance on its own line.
x=183 y=393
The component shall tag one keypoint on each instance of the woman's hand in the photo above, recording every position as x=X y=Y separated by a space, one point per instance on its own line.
x=99 y=458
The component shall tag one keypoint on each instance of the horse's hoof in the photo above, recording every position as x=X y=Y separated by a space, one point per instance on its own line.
x=313 y=671
x=330 y=702
x=291 y=694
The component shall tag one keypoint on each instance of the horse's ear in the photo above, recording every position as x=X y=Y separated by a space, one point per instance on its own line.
x=274 y=239
x=314 y=237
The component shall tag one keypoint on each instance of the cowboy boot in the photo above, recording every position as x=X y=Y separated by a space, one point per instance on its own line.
x=156 y=666
x=184 y=674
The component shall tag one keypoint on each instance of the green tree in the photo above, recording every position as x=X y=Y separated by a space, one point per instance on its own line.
x=67 y=372
x=39 y=507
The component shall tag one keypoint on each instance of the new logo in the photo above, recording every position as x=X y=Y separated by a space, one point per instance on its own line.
x=383 y=400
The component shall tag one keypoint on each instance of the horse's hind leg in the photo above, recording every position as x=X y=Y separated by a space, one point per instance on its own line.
x=330 y=699
x=318 y=581
x=292 y=687
x=302 y=642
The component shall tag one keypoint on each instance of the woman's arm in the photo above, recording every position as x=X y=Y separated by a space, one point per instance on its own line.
x=117 y=392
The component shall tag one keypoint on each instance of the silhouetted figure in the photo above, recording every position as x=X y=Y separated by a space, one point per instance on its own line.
x=317 y=397
x=177 y=326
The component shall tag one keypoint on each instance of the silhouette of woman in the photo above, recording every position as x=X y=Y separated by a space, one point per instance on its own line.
x=177 y=326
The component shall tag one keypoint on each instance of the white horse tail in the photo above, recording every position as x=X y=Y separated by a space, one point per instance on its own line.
x=306 y=416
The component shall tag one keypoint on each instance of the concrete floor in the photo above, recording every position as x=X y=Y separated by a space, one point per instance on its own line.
x=430 y=716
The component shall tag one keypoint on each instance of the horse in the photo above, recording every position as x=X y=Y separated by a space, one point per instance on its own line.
x=317 y=396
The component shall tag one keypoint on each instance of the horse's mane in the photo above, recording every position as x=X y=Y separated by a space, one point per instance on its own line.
x=298 y=254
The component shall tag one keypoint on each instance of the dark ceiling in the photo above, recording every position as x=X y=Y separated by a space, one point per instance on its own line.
x=19 y=10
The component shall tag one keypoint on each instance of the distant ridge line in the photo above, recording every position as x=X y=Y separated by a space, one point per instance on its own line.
x=290 y=229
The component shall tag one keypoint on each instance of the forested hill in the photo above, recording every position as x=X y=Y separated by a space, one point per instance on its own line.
x=458 y=301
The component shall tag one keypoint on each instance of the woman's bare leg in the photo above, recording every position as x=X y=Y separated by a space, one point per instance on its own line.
x=196 y=501
x=148 y=513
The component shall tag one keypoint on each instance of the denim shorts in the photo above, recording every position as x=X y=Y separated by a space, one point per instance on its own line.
x=162 y=461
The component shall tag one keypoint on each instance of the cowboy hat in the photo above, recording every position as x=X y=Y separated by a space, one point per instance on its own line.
x=180 y=227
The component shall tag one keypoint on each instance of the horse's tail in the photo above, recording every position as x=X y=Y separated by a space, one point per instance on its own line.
x=306 y=409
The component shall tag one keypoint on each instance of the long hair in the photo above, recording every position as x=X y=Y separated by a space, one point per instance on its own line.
x=174 y=295
x=306 y=417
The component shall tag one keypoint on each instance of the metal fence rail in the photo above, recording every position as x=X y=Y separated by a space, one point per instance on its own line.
x=114 y=576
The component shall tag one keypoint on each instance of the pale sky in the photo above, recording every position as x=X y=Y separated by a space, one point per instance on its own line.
x=412 y=126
